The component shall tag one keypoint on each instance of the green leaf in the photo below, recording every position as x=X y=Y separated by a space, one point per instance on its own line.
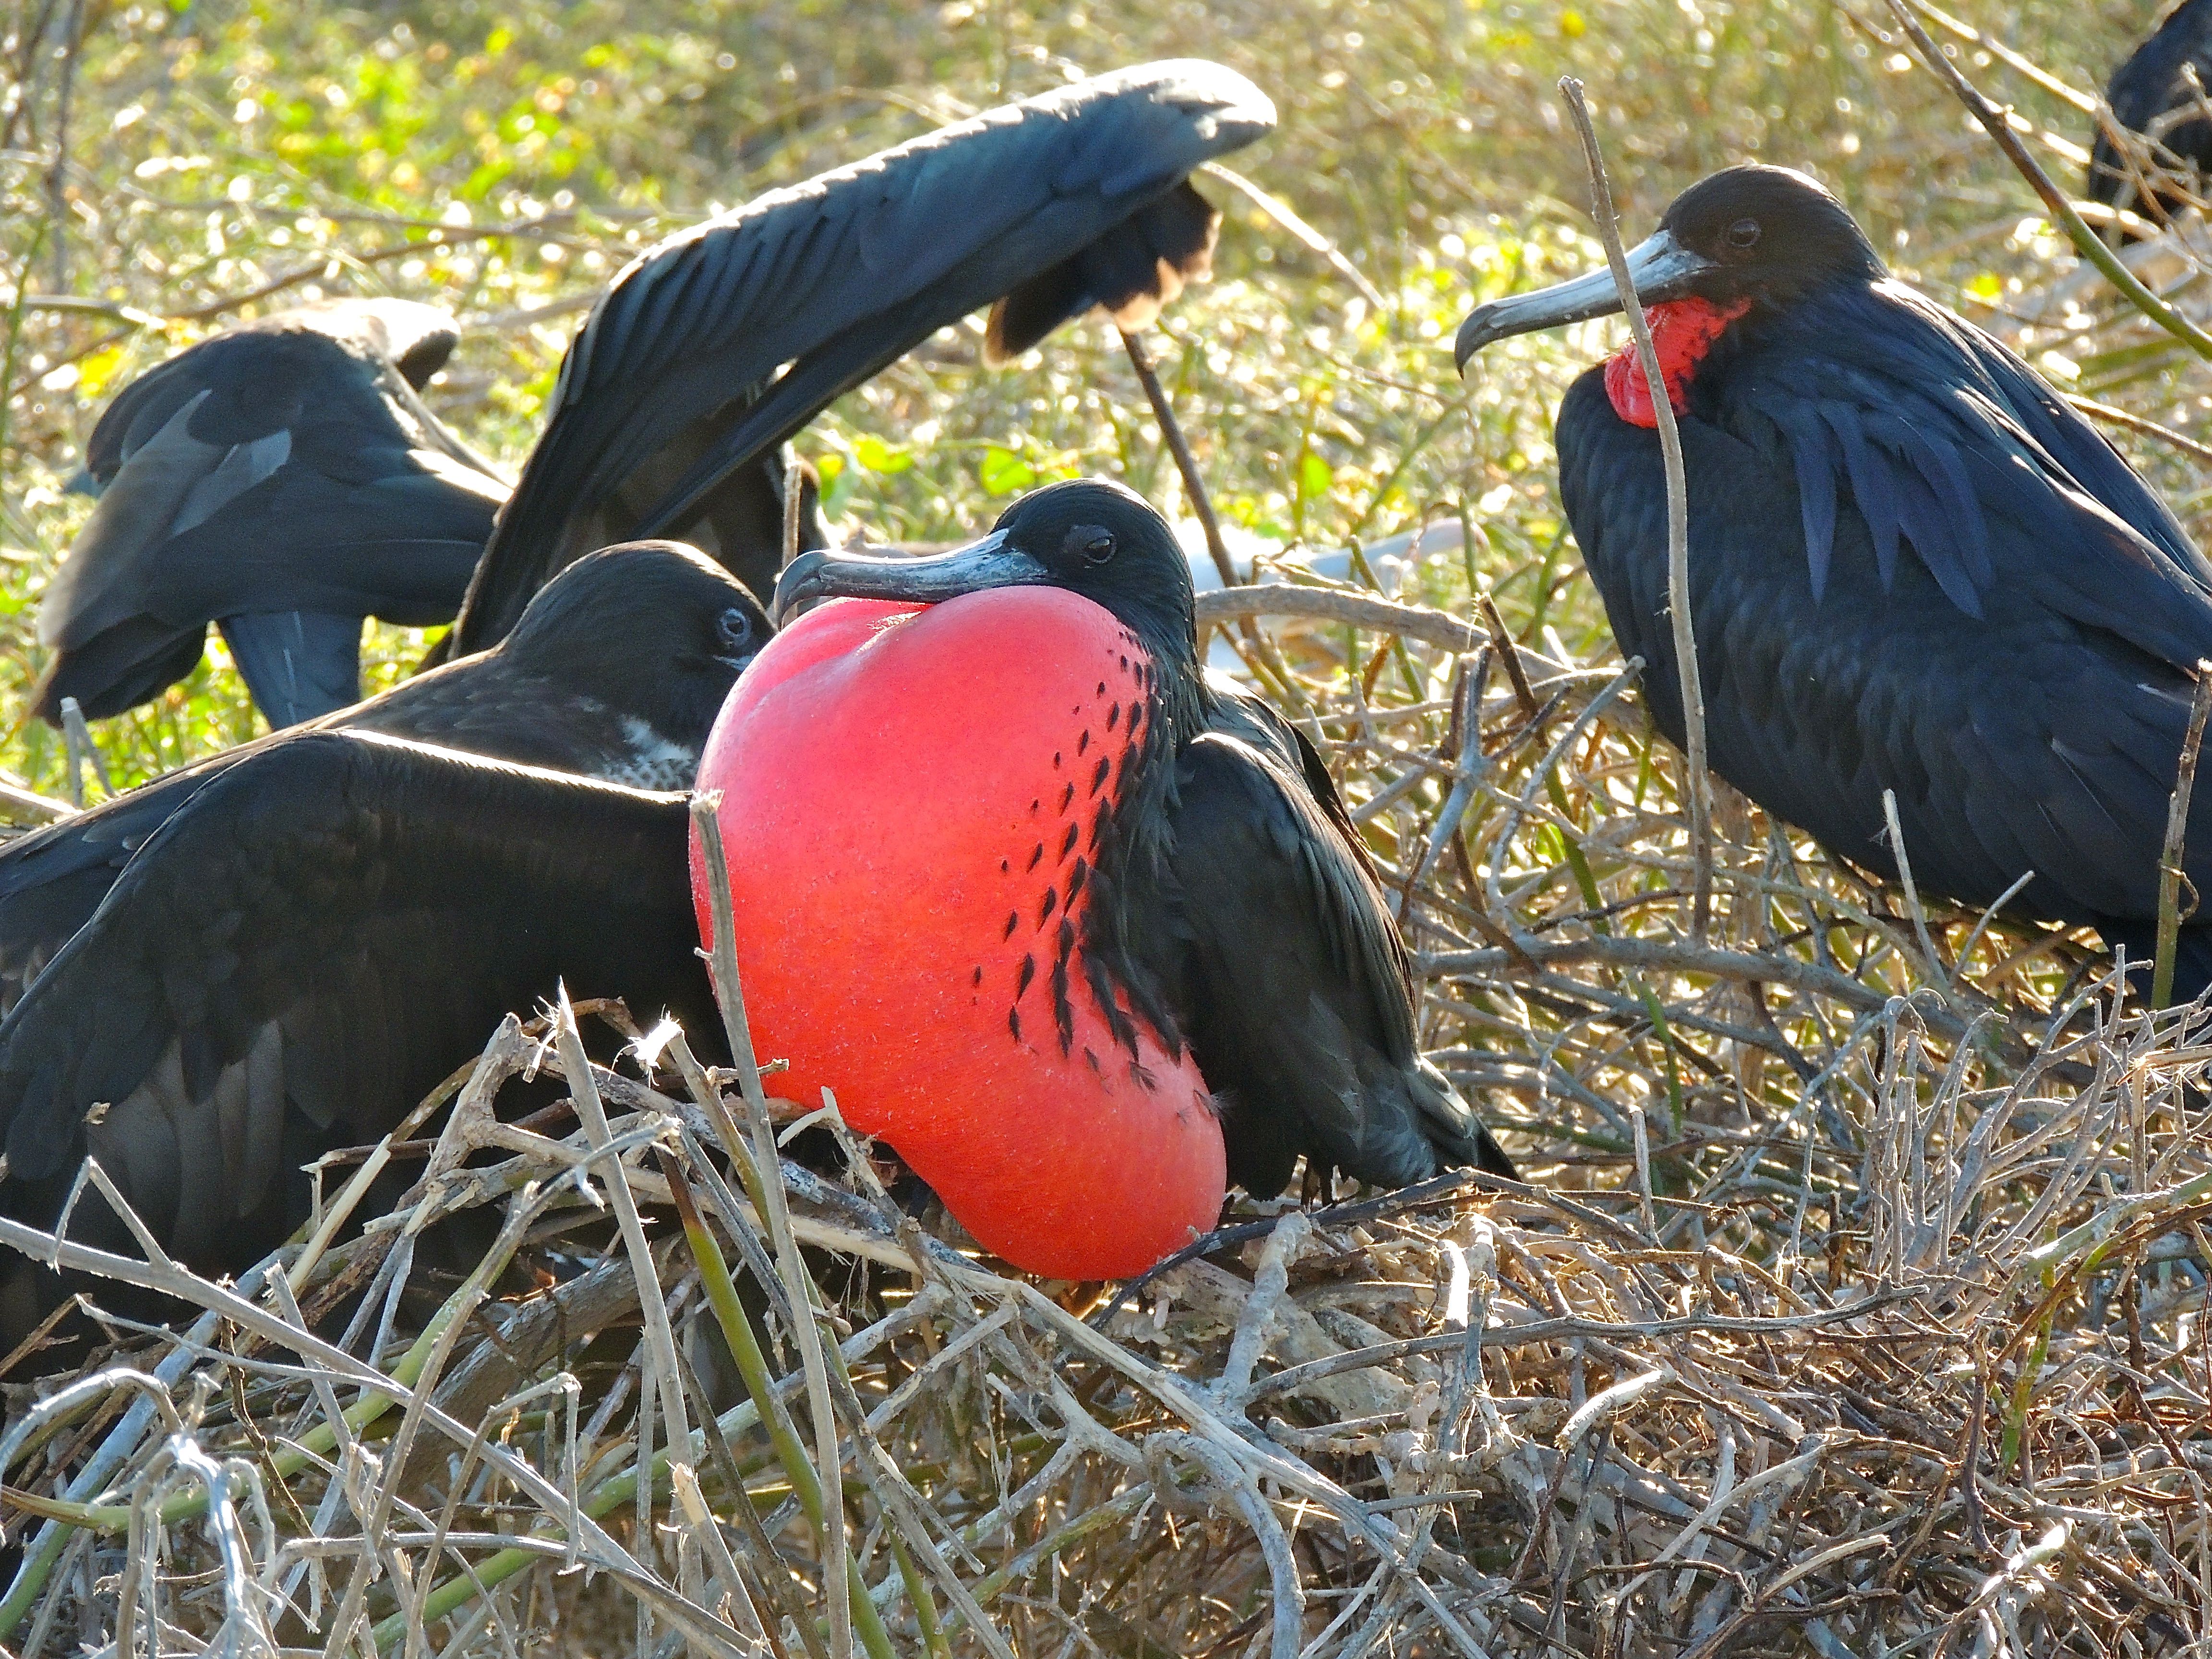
x=1313 y=475
x=873 y=454
x=1004 y=472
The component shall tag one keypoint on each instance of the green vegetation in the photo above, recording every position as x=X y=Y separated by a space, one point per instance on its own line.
x=504 y=160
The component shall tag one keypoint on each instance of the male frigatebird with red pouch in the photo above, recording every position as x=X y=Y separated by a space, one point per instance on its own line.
x=1913 y=567
x=1079 y=932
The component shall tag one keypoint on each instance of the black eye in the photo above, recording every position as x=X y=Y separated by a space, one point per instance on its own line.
x=1743 y=234
x=1098 y=547
x=735 y=628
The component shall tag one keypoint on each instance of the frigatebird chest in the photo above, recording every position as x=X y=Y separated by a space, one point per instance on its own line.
x=915 y=803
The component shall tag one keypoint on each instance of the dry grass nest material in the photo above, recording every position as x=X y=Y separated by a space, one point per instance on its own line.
x=1857 y=1303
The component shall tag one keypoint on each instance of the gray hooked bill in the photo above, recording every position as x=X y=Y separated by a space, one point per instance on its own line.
x=1659 y=268
x=826 y=573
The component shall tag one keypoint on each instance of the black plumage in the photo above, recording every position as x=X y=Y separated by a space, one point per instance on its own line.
x=1070 y=200
x=616 y=673
x=1913 y=567
x=323 y=933
x=1232 y=903
x=2150 y=94
x=282 y=481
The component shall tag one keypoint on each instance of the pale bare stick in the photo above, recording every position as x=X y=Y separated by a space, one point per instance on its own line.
x=2170 y=876
x=1699 y=786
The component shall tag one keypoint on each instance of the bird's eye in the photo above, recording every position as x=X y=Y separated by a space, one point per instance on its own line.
x=735 y=627
x=1098 y=548
x=1743 y=234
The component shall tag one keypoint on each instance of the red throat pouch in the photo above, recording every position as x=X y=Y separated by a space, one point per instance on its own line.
x=1682 y=333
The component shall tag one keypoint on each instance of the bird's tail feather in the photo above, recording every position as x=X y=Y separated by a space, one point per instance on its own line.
x=298 y=664
x=1454 y=1129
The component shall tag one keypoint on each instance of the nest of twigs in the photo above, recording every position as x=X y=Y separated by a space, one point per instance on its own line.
x=1856 y=1304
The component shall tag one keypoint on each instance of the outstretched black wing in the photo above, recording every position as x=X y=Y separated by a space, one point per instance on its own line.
x=52 y=880
x=325 y=932
x=285 y=467
x=1068 y=200
x=1292 y=978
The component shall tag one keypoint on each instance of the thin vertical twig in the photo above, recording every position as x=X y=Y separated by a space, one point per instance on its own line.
x=58 y=174
x=1194 y=485
x=1698 y=786
x=2170 y=876
x=1913 y=905
x=794 y=495
x=660 y=1339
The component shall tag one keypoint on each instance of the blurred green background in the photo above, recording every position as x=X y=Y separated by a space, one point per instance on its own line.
x=169 y=168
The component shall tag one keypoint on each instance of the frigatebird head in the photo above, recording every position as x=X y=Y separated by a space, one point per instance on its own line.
x=1746 y=237
x=1089 y=536
x=654 y=630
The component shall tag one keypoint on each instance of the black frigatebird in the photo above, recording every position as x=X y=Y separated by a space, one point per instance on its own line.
x=1038 y=899
x=283 y=481
x=326 y=929
x=2150 y=94
x=1913 y=567
x=1041 y=210
x=616 y=673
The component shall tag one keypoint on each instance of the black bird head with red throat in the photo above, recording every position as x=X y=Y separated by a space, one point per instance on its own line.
x=1748 y=239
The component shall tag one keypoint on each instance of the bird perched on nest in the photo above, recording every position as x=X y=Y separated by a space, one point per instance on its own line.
x=282 y=949
x=616 y=674
x=1199 y=933
x=1913 y=567
x=2151 y=94
x=282 y=481
x=1039 y=899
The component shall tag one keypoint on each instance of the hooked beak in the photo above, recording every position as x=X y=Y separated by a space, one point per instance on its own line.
x=826 y=573
x=1659 y=267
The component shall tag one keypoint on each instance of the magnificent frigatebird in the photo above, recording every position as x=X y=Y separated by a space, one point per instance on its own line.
x=2150 y=94
x=1043 y=209
x=616 y=673
x=1206 y=905
x=1912 y=566
x=282 y=481
x=326 y=929
x=1055 y=915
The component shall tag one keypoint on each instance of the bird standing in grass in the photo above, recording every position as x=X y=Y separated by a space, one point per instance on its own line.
x=1078 y=931
x=1913 y=567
